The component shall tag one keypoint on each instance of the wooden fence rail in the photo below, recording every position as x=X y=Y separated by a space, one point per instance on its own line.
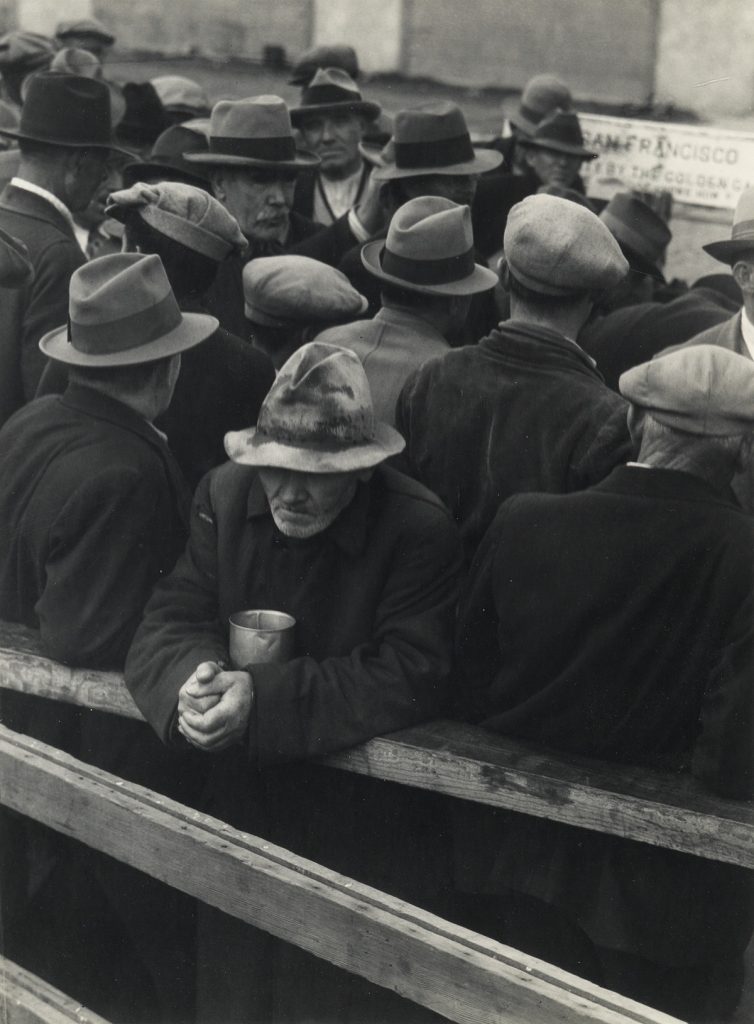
x=463 y=761
x=27 y=999
x=461 y=975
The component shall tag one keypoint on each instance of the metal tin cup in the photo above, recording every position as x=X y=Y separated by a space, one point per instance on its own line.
x=261 y=635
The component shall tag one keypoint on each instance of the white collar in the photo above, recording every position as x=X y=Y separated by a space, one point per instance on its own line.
x=53 y=200
x=747 y=330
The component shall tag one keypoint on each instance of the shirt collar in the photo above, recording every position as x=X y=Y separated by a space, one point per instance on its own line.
x=37 y=190
x=747 y=330
x=349 y=531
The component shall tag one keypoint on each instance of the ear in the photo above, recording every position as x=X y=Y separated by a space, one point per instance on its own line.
x=217 y=181
x=743 y=273
x=503 y=273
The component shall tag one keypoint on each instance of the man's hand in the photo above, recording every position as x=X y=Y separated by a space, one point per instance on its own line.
x=370 y=210
x=214 y=707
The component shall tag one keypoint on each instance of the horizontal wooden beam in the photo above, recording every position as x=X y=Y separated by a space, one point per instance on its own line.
x=662 y=809
x=461 y=975
x=27 y=999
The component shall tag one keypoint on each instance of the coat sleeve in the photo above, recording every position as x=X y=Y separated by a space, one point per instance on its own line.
x=723 y=756
x=103 y=561
x=600 y=450
x=11 y=317
x=328 y=245
x=181 y=625
x=400 y=677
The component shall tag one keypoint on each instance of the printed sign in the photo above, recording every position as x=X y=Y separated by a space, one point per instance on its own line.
x=704 y=166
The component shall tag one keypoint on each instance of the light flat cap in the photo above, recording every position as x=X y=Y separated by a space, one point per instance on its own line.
x=288 y=291
x=700 y=389
x=557 y=247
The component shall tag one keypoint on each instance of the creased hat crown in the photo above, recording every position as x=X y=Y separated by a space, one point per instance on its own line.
x=699 y=389
x=332 y=89
x=638 y=229
x=741 y=240
x=66 y=110
x=560 y=130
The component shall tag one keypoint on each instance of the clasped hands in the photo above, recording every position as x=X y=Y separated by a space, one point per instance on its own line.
x=214 y=707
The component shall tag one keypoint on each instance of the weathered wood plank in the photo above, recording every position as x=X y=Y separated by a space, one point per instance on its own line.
x=463 y=761
x=27 y=999
x=457 y=973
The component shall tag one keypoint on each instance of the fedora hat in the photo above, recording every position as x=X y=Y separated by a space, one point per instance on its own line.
x=324 y=57
x=317 y=417
x=641 y=233
x=741 y=240
x=434 y=140
x=166 y=161
x=560 y=132
x=66 y=110
x=541 y=94
x=421 y=230
x=122 y=312
x=254 y=132
x=330 y=91
x=71 y=61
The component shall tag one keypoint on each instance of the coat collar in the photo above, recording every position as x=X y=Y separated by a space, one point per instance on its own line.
x=103 y=407
x=664 y=484
x=27 y=204
x=404 y=318
x=348 y=532
x=522 y=339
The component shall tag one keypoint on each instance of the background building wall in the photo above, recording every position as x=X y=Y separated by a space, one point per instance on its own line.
x=705 y=55
x=374 y=29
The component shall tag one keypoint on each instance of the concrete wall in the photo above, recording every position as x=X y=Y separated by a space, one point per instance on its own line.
x=504 y=42
x=43 y=15
x=373 y=29
x=705 y=55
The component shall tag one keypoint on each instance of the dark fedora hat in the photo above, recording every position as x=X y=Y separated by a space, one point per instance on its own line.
x=741 y=240
x=166 y=161
x=560 y=131
x=254 y=132
x=639 y=231
x=429 y=249
x=330 y=91
x=433 y=140
x=66 y=110
x=122 y=312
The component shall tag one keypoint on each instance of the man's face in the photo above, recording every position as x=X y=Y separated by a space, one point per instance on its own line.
x=259 y=199
x=458 y=188
x=335 y=139
x=554 y=168
x=86 y=171
x=304 y=504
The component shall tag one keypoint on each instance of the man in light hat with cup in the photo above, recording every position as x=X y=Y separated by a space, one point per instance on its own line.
x=525 y=409
x=622 y=629
x=304 y=520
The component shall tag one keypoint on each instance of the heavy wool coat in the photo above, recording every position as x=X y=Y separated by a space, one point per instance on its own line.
x=42 y=304
x=525 y=410
x=618 y=623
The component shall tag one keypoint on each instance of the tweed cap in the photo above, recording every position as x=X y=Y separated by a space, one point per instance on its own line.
x=317 y=417
x=254 y=132
x=641 y=233
x=84 y=27
x=25 y=51
x=181 y=95
x=741 y=241
x=429 y=249
x=560 y=132
x=184 y=213
x=433 y=140
x=557 y=247
x=700 y=389
x=122 y=312
x=324 y=57
x=293 y=291
x=541 y=95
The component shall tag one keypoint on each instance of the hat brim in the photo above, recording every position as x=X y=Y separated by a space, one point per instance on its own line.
x=303 y=159
x=484 y=160
x=86 y=144
x=729 y=251
x=640 y=264
x=559 y=147
x=365 y=107
x=192 y=330
x=523 y=124
x=247 y=448
x=136 y=172
x=481 y=280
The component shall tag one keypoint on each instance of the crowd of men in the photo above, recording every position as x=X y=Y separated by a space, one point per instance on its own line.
x=443 y=409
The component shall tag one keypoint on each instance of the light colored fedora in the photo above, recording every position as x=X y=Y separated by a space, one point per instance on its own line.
x=541 y=95
x=741 y=240
x=330 y=91
x=122 y=312
x=641 y=233
x=433 y=140
x=317 y=417
x=254 y=132
x=429 y=249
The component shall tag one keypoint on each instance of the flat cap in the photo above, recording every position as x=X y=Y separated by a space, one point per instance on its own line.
x=182 y=95
x=288 y=291
x=85 y=27
x=25 y=51
x=187 y=214
x=557 y=247
x=699 y=389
